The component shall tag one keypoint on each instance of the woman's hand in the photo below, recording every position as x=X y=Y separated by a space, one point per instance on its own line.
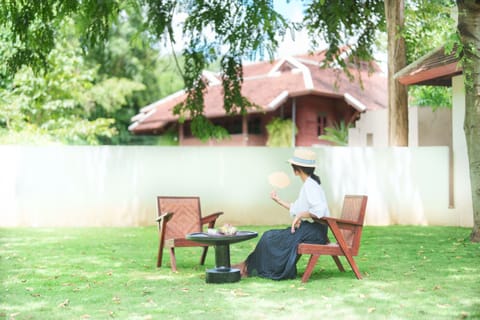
x=277 y=199
x=298 y=220
x=296 y=223
x=274 y=196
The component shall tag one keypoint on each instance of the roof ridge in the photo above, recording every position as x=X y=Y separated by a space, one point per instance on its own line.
x=307 y=76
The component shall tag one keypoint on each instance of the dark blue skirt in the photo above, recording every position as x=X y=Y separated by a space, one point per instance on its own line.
x=275 y=256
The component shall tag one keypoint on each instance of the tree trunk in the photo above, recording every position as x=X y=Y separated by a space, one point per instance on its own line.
x=469 y=30
x=397 y=93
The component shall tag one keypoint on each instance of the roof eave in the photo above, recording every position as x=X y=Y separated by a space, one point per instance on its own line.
x=436 y=76
x=434 y=68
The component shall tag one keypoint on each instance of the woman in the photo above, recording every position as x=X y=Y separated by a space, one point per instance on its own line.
x=275 y=255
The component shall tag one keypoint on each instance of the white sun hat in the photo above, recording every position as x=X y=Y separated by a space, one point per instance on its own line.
x=303 y=158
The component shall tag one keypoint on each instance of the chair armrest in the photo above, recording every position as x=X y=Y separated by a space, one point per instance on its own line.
x=339 y=221
x=165 y=216
x=210 y=219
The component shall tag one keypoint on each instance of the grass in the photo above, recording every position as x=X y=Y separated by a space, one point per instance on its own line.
x=109 y=273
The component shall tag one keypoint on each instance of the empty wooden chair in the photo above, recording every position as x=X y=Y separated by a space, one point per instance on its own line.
x=177 y=217
x=347 y=230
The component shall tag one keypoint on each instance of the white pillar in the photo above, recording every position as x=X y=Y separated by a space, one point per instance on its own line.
x=462 y=188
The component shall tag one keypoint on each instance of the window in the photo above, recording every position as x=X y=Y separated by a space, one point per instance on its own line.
x=321 y=123
x=232 y=124
x=254 y=126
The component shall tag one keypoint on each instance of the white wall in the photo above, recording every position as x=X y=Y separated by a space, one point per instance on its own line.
x=373 y=122
x=429 y=127
x=116 y=186
x=426 y=127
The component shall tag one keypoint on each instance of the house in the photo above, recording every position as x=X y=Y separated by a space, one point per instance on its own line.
x=295 y=88
x=441 y=68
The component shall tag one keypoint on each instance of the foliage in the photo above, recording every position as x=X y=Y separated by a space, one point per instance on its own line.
x=100 y=273
x=132 y=53
x=54 y=106
x=431 y=96
x=338 y=134
x=345 y=26
x=34 y=24
x=112 y=93
x=428 y=25
x=280 y=132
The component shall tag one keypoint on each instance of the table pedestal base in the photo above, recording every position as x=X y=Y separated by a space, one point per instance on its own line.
x=223 y=275
x=223 y=272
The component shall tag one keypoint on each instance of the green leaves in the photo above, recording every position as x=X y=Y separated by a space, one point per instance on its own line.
x=55 y=105
x=338 y=134
x=342 y=24
x=431 y=96
x=112 y=93
x=204 y=129
x=280 y=132
x=428 y=25
x=232 y=78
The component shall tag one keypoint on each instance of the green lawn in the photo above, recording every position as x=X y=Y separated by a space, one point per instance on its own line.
x=110 y=273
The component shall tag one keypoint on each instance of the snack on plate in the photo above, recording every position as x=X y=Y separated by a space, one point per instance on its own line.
x=228 y=230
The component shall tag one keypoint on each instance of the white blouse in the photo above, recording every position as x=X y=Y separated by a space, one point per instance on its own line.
x=311 y=199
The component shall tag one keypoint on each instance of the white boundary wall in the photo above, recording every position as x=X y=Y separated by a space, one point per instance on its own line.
x=117 y=186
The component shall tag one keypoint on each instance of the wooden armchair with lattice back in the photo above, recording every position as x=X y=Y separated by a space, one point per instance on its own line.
x=347 y=230
x=177 y=217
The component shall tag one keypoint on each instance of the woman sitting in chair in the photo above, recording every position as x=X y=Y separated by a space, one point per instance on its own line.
x=275 y=255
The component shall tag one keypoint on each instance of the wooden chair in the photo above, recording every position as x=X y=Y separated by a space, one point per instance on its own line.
x=177 y=217
x=347 y=230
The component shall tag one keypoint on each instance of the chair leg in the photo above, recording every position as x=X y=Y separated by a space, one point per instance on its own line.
x=160 y=254
x=204 y=255
x=173 y=261
x=338 y=263
x=310 y=266
x=354 y=266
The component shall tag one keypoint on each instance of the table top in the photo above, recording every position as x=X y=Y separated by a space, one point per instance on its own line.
x=219 y=238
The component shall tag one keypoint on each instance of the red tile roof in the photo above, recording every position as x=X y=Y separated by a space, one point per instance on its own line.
x=269 y=84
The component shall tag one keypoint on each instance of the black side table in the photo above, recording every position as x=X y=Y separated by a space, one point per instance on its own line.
x=222 y=273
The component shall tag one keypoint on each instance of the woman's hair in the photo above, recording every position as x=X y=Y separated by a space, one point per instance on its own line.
x=308 y=171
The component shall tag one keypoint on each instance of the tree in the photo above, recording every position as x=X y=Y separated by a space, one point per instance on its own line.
x=397 y=59
x=469 y=32
x=56 y=104
x=129 y=53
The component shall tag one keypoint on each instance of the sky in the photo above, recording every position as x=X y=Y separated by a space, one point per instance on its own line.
x=292 y=10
